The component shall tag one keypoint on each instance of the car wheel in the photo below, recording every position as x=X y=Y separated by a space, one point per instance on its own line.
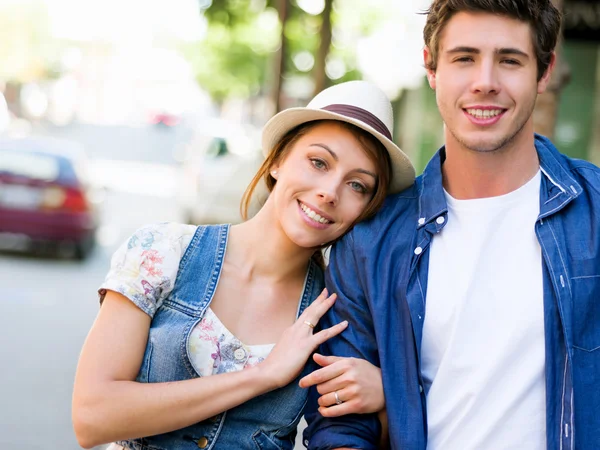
x=84 y=247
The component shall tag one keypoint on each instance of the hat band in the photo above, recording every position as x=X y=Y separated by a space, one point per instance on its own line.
x=363 y=115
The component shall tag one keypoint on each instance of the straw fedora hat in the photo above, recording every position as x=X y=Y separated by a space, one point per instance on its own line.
x=360 y=103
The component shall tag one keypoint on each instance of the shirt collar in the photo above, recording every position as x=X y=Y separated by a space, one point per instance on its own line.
x=560 y=186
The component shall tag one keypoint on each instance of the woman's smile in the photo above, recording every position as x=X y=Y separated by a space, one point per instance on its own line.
x=313 y=218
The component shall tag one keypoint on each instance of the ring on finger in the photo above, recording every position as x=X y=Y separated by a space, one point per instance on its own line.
x=309 y=323
x=338 y=401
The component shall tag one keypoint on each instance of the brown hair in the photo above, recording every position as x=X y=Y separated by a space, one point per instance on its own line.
x=371 y=145
x=542 y=16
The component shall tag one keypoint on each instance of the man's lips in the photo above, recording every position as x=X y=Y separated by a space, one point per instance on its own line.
x=484 y=114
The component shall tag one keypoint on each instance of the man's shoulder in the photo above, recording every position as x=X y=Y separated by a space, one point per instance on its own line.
x=397 y=215
x=586 y=170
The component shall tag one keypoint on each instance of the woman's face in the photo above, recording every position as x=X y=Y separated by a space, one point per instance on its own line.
x=323 y=185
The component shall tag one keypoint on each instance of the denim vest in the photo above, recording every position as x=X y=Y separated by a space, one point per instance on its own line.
x=267 y=422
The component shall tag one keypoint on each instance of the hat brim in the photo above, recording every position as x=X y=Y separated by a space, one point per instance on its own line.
x=403 y=173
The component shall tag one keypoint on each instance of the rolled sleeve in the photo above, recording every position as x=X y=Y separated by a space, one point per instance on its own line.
x=361 y=431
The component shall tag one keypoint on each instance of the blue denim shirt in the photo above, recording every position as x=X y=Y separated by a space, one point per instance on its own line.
x=267 y=422
x=379 y=271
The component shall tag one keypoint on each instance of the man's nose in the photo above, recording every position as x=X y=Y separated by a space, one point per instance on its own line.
x=485 y=79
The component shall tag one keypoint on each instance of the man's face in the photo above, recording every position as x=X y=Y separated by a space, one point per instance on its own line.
x=486 y=81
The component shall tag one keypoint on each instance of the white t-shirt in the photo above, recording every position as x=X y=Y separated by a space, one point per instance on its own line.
x=483 y=339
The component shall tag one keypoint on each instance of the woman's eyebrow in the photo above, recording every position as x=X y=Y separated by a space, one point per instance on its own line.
x=325 y=147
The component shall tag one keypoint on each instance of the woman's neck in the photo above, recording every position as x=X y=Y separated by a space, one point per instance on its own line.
x=260 y=249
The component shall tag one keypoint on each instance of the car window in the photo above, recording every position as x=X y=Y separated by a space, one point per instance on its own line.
x=31 y=165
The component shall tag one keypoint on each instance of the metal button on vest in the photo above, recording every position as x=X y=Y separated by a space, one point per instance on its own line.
x=421 y=220
x=440 y=220
x=418 y=251
x=202 y=442
x=239 y=354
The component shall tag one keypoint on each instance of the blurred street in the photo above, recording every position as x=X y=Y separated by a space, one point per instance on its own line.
x=49 y=304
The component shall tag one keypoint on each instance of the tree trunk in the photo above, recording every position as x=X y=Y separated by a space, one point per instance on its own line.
x=280 y=56
x=320 y=77
x=546 y=107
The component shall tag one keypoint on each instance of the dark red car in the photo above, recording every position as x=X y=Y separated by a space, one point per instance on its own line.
x=45 y=194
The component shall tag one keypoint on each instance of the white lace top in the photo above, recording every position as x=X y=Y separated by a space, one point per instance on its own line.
x=144 y=269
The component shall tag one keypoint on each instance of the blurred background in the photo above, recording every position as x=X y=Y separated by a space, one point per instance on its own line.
x=114 y=114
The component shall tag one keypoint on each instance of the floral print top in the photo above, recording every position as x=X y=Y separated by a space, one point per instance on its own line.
x=144 y=269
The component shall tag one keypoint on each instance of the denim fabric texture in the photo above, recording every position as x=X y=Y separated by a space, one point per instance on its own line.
x=379 y=271
x=267 y=422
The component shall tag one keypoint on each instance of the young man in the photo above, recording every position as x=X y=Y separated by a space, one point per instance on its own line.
x=477 y=291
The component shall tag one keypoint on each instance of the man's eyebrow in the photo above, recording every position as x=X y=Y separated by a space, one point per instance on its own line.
x=335 y=157
x=463 y=49
x=512 y=51
x=499 y=51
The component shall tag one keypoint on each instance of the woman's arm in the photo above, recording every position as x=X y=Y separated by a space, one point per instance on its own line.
x=108 y=405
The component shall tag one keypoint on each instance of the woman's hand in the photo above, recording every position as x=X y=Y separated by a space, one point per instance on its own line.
x=297 y=343
x=356 y=382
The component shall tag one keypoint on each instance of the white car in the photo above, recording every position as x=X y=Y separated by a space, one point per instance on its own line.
x=219 y=164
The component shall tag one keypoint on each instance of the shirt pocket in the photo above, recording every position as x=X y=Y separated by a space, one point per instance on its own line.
x=585 y=285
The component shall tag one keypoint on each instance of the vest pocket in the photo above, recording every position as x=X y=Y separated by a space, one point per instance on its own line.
x=586 y=312
x=264 y=442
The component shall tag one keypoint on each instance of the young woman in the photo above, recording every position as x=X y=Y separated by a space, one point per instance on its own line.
x=182 y=354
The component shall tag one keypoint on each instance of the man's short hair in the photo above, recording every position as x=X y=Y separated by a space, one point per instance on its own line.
x=541 y=15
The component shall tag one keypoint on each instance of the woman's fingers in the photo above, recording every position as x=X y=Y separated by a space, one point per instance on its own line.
x=323 y=375
x=337 y=410
x=330 y=399
x=328 y=333
x=318 y=308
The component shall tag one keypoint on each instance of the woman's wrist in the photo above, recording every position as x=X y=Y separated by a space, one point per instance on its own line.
x=263 y=378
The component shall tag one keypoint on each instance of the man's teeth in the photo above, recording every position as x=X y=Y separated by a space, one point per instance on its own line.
x=313 y=215
x=484 y=113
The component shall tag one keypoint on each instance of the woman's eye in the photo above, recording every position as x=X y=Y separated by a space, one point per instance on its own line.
x=318 y=163
x=358 y=187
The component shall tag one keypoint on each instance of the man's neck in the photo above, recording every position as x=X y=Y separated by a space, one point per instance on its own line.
x=469 y=174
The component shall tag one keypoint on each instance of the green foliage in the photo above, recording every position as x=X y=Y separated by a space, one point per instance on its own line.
x=232 y=60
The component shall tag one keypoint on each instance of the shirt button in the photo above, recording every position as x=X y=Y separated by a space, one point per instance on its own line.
x=239 y=354
x=421 y=220
x=418 y=251
x=202 y=442
x=440 y=220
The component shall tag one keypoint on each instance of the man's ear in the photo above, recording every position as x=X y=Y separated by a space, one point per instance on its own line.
x=430 y=73
x=545 y=80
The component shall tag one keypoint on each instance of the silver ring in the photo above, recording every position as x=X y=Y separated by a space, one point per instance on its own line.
x=306 y=322
x=337 y=398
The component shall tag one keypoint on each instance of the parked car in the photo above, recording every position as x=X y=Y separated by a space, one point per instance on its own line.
x=45 y=195
x=220 y=162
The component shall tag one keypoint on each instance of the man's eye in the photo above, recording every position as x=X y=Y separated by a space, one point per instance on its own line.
x=511 y=62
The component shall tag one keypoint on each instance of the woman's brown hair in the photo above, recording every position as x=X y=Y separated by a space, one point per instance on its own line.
x=371 y=145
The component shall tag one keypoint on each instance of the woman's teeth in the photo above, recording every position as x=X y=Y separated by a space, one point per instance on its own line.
x=313 y=215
